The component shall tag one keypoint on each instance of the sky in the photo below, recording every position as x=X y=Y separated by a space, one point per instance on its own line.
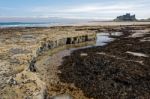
x=77 y=9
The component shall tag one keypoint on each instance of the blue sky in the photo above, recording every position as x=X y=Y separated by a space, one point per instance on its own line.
x=81 y=9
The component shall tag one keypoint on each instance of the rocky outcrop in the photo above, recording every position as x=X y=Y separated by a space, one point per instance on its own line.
x=50 y=44
x=19 y=49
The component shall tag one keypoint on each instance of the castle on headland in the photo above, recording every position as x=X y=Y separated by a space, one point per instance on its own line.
x=127 y=17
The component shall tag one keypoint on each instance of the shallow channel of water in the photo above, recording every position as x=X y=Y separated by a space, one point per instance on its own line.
x=56 y=55
x=52 y=59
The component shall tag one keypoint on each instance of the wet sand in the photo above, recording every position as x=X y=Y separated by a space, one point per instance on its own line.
x=110 y=23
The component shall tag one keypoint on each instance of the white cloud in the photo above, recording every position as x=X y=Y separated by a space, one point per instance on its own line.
x=89 y=10
x=96 y=10
x=85 y=8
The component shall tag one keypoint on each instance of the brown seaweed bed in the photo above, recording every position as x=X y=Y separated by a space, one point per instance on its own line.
x=117 y=68
x=109 y=71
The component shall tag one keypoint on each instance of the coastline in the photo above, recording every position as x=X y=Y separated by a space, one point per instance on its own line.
x=86 y=23
x=110 y=23
x=19 y=45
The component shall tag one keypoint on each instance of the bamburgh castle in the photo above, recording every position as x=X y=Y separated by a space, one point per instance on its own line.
x=126 y=17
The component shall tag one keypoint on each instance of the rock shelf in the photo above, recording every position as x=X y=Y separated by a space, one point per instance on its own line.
x=19 y=48
x=27 y=73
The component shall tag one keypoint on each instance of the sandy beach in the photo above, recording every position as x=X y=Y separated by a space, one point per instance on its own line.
x=109 y=23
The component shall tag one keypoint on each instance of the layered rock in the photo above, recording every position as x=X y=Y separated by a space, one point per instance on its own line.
x=19 y=49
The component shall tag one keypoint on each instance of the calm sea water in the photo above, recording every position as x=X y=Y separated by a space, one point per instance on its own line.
x=24 y=24
x=52 y=22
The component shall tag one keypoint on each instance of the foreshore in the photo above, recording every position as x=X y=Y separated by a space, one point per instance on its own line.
x=23 y=52
x=109 y=23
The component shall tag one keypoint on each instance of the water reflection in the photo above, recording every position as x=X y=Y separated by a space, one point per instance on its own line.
x=104 y=38
x=101 y=40
x=57 y=54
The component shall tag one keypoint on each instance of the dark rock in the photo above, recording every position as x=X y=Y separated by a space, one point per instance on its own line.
x=32 y=65
x=113 y=75
x=12 y=81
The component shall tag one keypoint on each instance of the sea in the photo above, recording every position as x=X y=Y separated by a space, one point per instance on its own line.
x=40 y=24
x=31 y=24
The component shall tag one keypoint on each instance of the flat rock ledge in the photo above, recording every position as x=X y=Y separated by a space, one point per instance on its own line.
x=19 y=48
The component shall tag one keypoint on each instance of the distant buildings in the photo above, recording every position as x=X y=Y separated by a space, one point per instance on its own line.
x=126 y=17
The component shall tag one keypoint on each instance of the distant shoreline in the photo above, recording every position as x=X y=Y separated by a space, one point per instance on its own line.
x=112 y=23
x=88 y=23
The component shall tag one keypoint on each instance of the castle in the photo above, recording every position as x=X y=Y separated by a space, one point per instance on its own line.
x=126 y=17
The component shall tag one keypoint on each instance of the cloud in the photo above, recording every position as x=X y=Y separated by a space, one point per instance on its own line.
x=98 y=8
x=89 y=10
x=101 y=10
x=84 y=8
